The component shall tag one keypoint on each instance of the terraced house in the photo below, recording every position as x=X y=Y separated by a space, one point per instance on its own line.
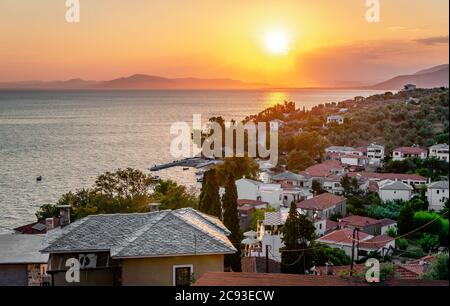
x=162 y=248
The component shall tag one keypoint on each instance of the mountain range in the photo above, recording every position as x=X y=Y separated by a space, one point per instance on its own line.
x=432 y=77
x=436 y=76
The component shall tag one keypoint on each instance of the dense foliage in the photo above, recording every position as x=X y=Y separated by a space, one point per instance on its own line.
x=123 y=191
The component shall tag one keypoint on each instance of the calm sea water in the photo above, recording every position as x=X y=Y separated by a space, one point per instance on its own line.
x=70 y=137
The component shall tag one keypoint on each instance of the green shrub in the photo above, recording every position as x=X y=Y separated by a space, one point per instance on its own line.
x=401 y=244
x=439 y=270
x=428 y=242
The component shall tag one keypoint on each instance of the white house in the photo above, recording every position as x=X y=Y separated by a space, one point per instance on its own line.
x=253 y=190
x=248 y=189
x=375 y=153
x=295 y=195
x=336 y=119
x=354 y=160
x=332 y=184
x=323 y=206
x=439 y=151
x=409 y=87
x=386 y=225
x=343 y=239
x=340 y=149
x=437 y=195
x=394 y=190
x=402 y=153
x=292 y=179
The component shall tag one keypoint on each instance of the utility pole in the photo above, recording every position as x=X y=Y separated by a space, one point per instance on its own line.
x=267 y=258
x=353 y=251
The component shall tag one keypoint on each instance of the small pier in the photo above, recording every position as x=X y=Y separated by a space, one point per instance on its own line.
x=193 y=162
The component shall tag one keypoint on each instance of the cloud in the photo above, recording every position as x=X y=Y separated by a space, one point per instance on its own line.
x=433 y=40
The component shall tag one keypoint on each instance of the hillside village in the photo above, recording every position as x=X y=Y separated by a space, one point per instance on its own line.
x=359 y=179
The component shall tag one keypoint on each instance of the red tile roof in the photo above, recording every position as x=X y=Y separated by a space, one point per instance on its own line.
x=324 y=169
x=411 y=150
x=343 y=236
x=387 y=221
x=416 y=282
x=251 y=202
x=409 y=271
x=376 y=242
x=32 y=229
x=258 y=265
x=331 y=225
x=358 y=221
x=321 y=202
x=387 y=176
x=272 y=279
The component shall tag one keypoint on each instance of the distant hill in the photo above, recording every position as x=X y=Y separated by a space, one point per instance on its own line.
x=142 y=81
x=138 y=81
x=429 y=78
x=70 y=84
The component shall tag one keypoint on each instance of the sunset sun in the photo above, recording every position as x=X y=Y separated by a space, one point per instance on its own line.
x=277 y=41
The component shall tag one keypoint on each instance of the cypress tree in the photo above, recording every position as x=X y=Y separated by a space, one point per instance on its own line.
x=406 y=219
x=209 y=198
x=231 y=221
x=298 y=233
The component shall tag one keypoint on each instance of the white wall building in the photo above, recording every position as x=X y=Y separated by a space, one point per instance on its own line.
x=354 y=160
x=439 y=151
x=253 y=190
x=394 y=190
x=403 y=153
x=336 y=119
x=342 y=239
x=437 y=195
x=375 y=153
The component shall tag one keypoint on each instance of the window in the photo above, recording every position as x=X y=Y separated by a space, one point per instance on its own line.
x=182 y=275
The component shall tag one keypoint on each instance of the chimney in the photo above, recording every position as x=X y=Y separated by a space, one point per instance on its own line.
x=49 y=223
x=64 y=215
x=153 y=207
x=329 y=268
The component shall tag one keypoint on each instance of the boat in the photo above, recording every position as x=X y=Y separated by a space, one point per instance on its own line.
x=39 y=178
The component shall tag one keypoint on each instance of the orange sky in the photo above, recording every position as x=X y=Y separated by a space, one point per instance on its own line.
x=330 y=41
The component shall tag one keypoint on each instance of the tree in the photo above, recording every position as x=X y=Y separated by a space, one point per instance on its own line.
x=299 y=160
x=239 y=167
x=47 y=211
x=317 y=188
x=428 y=242
x=298 y=232
x=209 y=198
x=324 y=253
x=231 y=221
x=124 y=183
x=406 y=220
x=123 y=191
x=173 y=196
x=439 y=270
x=257 y=215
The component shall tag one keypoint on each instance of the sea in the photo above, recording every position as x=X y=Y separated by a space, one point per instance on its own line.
x=70 y=137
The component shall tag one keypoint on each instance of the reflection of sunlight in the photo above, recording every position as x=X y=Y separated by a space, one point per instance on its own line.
x=273 y=98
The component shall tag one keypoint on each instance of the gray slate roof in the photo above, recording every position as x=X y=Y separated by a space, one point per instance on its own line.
x=22 y=249
x=396 y=185
x=165 y=233
x=439 y=185
x=288 y=175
